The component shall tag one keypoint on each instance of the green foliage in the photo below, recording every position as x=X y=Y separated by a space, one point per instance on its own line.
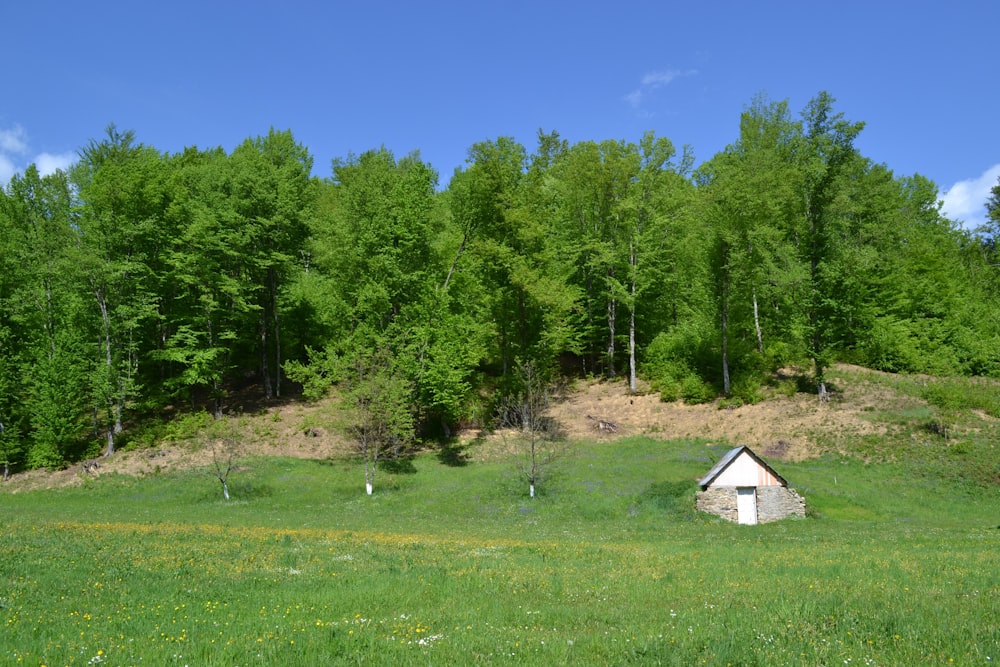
x=187 y=427
x=669 y=363
x=887 y=347
x=747 y=388
x=142 y=280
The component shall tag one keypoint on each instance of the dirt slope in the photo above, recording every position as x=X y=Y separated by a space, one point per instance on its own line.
x=782 y=427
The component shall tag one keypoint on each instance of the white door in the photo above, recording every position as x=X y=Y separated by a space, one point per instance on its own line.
x=746 y=506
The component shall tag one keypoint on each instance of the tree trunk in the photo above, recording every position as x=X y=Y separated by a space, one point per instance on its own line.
x=821 y=390
x=265 y=370
x=534 y=469
x=756 y=323
x=725 y=336
x=225 y=489
x=611 y=338
x=633 y=382
x=277 y=332
x=102 y=304
x=369 y=474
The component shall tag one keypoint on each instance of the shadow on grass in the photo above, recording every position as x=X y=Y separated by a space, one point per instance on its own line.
x=454 y=453
x=400 y=465
x=239 y=490
x=675 y=499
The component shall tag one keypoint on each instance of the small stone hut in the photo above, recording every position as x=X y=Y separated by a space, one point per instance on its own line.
x=743 y=488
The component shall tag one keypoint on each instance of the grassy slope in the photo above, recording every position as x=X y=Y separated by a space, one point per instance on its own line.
x=455 y=565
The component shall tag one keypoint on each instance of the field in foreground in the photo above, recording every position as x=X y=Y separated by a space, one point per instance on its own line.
x=456 y=565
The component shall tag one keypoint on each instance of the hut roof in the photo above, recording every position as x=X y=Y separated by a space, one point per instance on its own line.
x=731 y=456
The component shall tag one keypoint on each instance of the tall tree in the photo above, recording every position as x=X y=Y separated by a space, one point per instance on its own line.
x=750 y=191
x=827 y=156
x=43 y=312
x=121 y=186
x=596 y=179
x=483 y=197
x=378 y=279
x=657 y=203
x=210 y=305
x=272 y=196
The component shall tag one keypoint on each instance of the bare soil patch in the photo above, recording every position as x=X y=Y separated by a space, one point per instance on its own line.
x=783 y=427
x=792 y=428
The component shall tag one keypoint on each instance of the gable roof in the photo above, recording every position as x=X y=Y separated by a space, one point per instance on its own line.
x=731 y=456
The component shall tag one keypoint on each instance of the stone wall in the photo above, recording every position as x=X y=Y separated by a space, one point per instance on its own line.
x=778 y=502
x=718 y=500
x=773 y=503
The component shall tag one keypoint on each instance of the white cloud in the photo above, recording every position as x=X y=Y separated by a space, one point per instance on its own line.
x=48 y=163
x=13 y=140
x=634 y=98
x=15 y=151
x=652 y=81
x=965 y=201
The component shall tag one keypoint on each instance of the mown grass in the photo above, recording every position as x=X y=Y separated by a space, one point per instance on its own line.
x=456 y=565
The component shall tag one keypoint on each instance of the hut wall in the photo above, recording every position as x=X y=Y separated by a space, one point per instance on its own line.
x=745 y=471
x=773 y=503
x=718 y=500
x=778 y=502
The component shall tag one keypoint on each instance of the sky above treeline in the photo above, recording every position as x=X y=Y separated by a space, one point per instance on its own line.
x=436 y=77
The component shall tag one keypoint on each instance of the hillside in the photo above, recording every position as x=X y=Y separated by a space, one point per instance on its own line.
x=871 y=415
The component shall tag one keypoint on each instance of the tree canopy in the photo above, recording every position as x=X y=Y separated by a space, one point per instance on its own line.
x=141 y=280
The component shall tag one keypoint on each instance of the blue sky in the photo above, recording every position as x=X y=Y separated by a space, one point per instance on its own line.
x=439 y=76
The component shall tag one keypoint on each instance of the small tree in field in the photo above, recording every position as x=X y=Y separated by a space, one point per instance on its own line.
x=379 y=418
x=227 y=450
x=522 y=418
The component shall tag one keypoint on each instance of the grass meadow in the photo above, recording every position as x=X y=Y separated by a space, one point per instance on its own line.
x=455 y=565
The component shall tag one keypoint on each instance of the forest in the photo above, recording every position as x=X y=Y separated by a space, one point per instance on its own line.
x=140 y=282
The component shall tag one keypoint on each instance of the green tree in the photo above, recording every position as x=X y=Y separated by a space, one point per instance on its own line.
x=750 y=193
x=271 y=196
x=919 y=304
x=377 y=402
x=210 y=306
x=45 y=355
x=658 y=204
x=121 y=185
x=386 y=271
x=827 y=157
x=482 y=199
x=596 y=182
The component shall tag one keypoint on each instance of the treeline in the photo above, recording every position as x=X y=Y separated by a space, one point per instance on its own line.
x=140 y=280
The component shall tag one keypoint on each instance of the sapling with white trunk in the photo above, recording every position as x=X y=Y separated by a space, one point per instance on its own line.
x=378 y=410
x=227 y=450
x=524 y=423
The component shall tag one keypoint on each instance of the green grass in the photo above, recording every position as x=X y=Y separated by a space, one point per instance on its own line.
x=456 y=565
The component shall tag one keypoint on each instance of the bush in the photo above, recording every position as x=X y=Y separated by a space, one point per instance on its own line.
x=44 y=455
x=671 y=366
x=746 y=388
x=694 y=390
x=888 y=347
